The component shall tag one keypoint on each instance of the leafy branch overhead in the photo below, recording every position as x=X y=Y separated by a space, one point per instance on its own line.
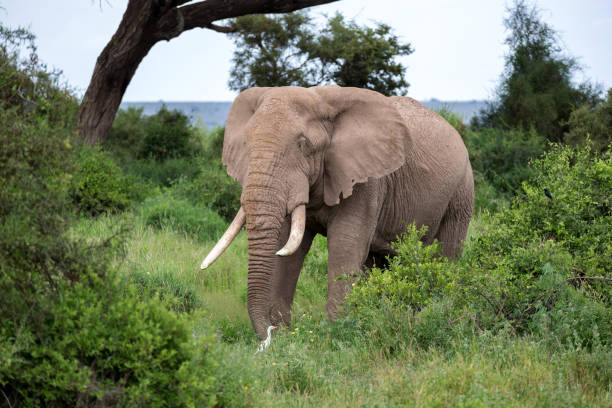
x=292 y=50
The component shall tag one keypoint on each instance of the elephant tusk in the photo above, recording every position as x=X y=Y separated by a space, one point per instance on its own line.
x=226 y=239
x=298 y=224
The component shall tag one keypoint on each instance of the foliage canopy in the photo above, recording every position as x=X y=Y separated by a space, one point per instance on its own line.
x=291 y=50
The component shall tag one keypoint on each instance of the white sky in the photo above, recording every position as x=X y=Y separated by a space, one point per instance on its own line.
x=459 y=50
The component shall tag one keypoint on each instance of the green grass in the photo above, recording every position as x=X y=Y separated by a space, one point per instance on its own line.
x=323 y=364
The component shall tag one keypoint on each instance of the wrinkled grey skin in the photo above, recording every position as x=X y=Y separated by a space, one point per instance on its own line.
x=365 y=165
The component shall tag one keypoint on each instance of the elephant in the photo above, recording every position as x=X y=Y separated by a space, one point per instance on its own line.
x=348 y=163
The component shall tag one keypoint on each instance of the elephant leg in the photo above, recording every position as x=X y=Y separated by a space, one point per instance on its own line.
x=285 y=279
x=454 y=225
x=349 y=233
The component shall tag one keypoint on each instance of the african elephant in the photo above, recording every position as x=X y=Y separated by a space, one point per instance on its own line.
x=347 y=163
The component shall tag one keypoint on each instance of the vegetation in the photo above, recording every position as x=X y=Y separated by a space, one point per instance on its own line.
x=536 y=88
x=291 y=50
x=591 y=125
x=103 y=303
x=71 y=333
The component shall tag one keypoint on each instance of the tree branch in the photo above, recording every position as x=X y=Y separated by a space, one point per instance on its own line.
x=221 y=29
x=204 y=13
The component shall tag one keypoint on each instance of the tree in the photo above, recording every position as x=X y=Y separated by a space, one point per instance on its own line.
x=291 y=50
x=536 y=88
x=144 y=23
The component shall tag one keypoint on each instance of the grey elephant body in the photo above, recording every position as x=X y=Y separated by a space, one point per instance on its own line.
x=364 y=165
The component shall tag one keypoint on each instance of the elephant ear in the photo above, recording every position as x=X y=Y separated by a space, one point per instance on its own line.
x=235 y=151
x=368 y=139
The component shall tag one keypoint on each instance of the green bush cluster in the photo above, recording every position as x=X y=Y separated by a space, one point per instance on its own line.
x=102 y=346
x=413 y=278
x=164 y=135
x=502 y=157
x=70 y=333
x=99 y=185
x=194 y=171
x=167 y=172
x=540 y=266
x=591 y=125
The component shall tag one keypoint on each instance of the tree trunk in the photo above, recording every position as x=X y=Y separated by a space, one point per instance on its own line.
x=144 y=23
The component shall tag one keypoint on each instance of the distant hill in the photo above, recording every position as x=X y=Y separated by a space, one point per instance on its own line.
x=214 y=114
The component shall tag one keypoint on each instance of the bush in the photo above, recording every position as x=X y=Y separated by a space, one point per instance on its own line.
x=198 y=222
x=99 y=185
x=487 y=197
x=68 y=335
x=414 y=277
x=164 y=135
x=220 y=192
x=126 y=134
x=541 y=266
x=108 y=349
x=591 y=125
x=401 y=305
x=549 y=256
x=168 y=134
x=212 y=188
x=502 y=156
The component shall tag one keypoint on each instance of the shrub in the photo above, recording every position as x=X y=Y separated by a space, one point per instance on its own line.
x=99 y=185
x=549 y=256
x=166 y=134
x=108 y=350
x=220 y=192
x=198 y=222
x=592 y=125
x=402 y=304
x=68 y=335
x=126 y=134
x=540 y=266
x=487 y=197
x=414 y=277
x=502 y=156
x=212 y=188
x=213 y=143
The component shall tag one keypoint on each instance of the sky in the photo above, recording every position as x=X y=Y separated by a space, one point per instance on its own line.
x=459 y=45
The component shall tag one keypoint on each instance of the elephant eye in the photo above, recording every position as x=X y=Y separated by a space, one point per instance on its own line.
x=304 y=145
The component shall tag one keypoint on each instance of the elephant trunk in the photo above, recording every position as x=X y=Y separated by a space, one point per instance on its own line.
x=265 y=207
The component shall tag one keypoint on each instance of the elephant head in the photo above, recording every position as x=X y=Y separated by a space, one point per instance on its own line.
x=292 y=148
